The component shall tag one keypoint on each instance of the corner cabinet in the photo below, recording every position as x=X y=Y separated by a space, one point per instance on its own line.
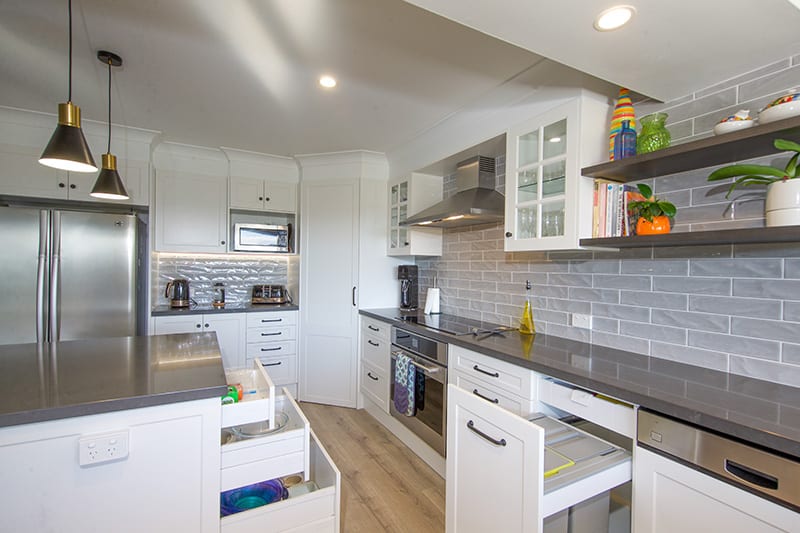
x=408 y=196
x=548 y=202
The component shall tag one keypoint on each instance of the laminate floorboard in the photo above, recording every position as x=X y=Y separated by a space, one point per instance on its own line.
x=385 y=486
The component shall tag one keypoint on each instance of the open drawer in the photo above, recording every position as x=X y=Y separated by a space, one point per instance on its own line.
x=603 y=411
x=316 y=511
x=500 y=461
x=281 y=452
x=258 y=400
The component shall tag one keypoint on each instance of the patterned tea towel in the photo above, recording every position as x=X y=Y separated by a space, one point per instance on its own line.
x=405 y=376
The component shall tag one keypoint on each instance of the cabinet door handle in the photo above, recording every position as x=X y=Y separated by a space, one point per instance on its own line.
x=370 y=376
x=373 y=328
x=266 y=320
x=354 y=296
x=198 y=326
x=479 y=395
x=271 y=349
x=72 y=186
x=476 y=368
x=206 y=325
x=222 y=243
x=373 y=343
x=272 y=364
x=509 y=234
x=260 y=198
x=471 y=427
x=61 y=185
x=271 y=334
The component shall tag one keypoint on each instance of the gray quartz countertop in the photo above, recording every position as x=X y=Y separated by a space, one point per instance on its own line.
x=759 y=412
x=51 y=381
x=165 y=310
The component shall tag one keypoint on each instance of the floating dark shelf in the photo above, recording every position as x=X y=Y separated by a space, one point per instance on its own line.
x=699 y=238
x=727 y=148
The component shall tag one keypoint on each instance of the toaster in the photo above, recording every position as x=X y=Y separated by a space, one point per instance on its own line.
x=270 y=294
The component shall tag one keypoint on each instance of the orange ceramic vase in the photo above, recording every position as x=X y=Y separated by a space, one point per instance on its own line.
x=657 y=226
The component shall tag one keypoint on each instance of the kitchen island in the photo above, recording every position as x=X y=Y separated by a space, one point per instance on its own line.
x=115 y=434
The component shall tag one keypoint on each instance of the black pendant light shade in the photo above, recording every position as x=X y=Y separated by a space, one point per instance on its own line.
x=109 y=185
x=67 y=148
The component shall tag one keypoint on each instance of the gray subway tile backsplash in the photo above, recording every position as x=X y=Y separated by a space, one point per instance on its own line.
x=722 y=307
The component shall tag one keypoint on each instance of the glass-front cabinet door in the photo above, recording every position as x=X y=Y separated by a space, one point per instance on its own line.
x=545 y=194
x=407 y=196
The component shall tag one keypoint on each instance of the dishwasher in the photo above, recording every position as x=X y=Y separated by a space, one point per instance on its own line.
x=690 y=479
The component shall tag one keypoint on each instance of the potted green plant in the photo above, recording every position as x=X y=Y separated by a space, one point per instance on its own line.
x=653 y=214
x=783 y=191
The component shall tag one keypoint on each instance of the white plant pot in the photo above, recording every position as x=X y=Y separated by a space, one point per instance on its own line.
x=783 y=203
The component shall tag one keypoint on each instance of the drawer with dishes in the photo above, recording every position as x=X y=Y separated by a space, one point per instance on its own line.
x=312 y=504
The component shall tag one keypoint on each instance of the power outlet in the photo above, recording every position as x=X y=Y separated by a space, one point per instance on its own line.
x=105 y=448
x=582 y=321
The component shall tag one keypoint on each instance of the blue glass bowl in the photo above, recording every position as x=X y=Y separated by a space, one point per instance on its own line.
x=252 y=496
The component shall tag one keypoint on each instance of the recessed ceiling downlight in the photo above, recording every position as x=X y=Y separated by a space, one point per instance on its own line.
x=329 y=82
x=613 y=18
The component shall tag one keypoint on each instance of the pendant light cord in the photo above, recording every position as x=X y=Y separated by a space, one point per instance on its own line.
x=69 y=3
x=109 y=106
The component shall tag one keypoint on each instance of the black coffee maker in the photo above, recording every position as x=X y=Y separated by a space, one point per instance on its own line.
x=409 y=288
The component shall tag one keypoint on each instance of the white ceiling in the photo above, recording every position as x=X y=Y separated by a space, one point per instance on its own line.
x=243 y=73
x=670 y=48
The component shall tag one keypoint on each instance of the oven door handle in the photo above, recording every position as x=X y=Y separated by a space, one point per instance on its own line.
x=428 y=369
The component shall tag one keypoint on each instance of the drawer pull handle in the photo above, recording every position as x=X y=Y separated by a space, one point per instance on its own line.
x=373 y=378
x=750 y=475
x=476 y=368
x=271 y=349
x=479 y=395
x=272 y=364
x=373 y=343
x=471 y=427
x=266 y=320
x=271 y=334
x=373 y=328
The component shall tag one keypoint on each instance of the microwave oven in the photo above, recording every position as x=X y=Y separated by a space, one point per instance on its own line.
x=262 y=238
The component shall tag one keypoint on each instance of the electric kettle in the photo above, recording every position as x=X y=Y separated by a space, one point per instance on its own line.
x=179 y=296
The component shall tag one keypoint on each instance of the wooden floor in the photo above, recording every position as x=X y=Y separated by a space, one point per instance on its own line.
x=385 y=487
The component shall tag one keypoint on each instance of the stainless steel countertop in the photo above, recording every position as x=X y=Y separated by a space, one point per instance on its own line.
x=759 y=412
x=51 y=381
x=165 y=310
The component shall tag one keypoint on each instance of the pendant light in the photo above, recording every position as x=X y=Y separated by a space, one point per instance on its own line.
x=67 y=149
x=109 y=185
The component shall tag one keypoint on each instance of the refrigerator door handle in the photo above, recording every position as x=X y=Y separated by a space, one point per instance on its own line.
x=41 y=278
x=55 y=267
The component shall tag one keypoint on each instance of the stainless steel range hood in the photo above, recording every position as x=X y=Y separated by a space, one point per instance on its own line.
x=475 y=202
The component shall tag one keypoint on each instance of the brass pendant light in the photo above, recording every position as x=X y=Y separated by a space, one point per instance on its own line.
x=67 y=149
x=109 y=185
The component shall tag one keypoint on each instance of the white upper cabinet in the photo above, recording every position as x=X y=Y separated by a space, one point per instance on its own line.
x=548 y=202
x=23 y=136
x=191 y=199
x=262 y=182
x=407 y=196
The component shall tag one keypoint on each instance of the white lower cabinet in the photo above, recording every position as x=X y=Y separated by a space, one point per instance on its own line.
x=272 y=339
x=292 y=450
x=230 y=329
x=375 y=362
x=496 y=470
x=670 y=497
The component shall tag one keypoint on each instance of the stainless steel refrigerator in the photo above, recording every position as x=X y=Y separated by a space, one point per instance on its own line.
x=67 y=275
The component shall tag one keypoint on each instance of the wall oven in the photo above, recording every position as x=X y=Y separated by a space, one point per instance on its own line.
x=429 y=421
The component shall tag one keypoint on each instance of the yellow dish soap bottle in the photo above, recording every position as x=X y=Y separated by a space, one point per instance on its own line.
x=526 y=326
